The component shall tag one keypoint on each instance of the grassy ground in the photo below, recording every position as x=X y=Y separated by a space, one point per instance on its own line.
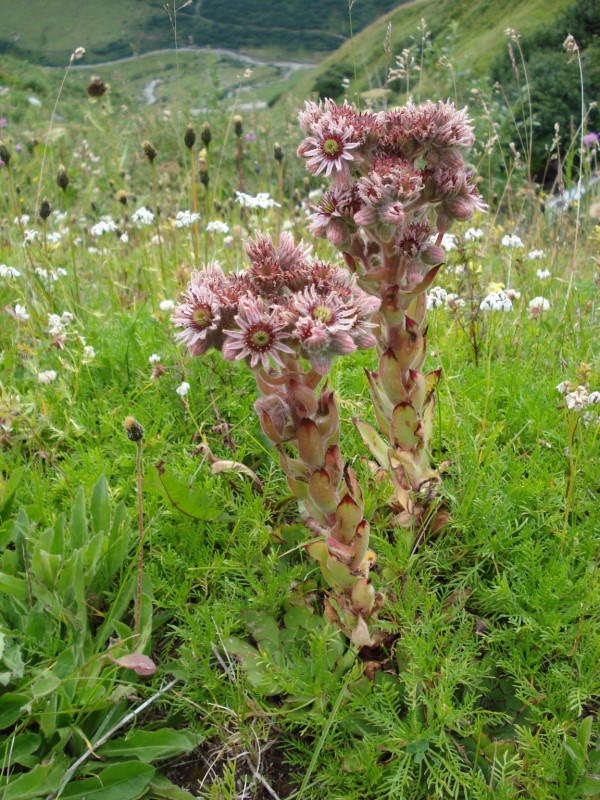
x=488 y=682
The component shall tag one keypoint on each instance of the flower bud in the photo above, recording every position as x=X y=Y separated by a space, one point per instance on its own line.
x=203 y=167
x=237 y=125
x=433 y=254
x=205 y=134
x=189 y=137
x=133 y=429
x=4 y=153
x=62 y=178
x=149 y=151
x=278 y=152
x=96 y=87
x=337 y=233
x=459 y=208
x=45 y=209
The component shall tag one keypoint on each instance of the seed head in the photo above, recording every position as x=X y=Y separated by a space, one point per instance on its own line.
x=121 y=197
x=96 y=87
x=189 y=138
x=204 y=177
x=278 y=152
x=205 y=134
x=45 y=209
x=4 y=153
x=62 y=178
x=237 y=125
x=133 y=429
x=149 y=151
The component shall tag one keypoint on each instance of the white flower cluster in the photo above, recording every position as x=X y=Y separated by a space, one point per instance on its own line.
x=8 y=272
x=166 y=305
x=578 y=399
x=473 y=234
x=449 y=242
x=512 y=241
x=183 y=389
x=23 y=219
x=262 y=200
x=57 y=325
x=496 y=301
x=47 y=376
x=106 y=225
x=54 y=238
x=537 y=306
x=142 y=217
x=536 y=255
x=30 y=237
x=436 y=297
x=454 y=301
x=21 y=312
x=185 y=219
x=217 y=227
x=50 y=276
x=543 y=274
x=154 y=358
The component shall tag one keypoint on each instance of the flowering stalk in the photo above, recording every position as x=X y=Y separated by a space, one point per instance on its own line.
x=398 y=181
x=285 y=308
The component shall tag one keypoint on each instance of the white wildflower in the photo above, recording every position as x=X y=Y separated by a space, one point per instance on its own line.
x=536 y=255
x=23 y=219
x=183 y=389
x=106 y=225
x=543 y=274
x=154 y=358
x=496 y=301
x=217 y=227
x=88 y=352
x=8 y=272
x=449 y=242
x=30 y=237
x=166 y=305
x=142 y=217
x=436 y=297
x=47 y=376
x=184 y=219
x=228 y=242
x=56 y=326
x=262 y=200
x=578 y=399
x=512 y=241
x=34 y=101
x=124 y=238
x=41 y=273
x=20 y=312
x=78 y=53
x=54 y=238
x=512 y=294
x=473 y=234
x=454 y=301
x=564 y=387
x=537 y=306
x=594 y=398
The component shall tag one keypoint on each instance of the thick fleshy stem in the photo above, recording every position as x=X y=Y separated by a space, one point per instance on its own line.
x=302 y=421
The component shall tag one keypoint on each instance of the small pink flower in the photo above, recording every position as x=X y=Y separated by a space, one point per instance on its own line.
x=260 y=336
x=329 y=150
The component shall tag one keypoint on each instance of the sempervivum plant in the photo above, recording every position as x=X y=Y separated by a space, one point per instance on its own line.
x=288 y=309
x=398 y=182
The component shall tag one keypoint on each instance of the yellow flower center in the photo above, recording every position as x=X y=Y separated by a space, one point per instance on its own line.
x=202 y=316
x=331 y=147
x=322 y=313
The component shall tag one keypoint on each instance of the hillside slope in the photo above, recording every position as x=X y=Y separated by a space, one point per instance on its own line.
x=470 y=32
x=113 y=29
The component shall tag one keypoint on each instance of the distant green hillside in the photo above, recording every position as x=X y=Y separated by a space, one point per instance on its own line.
x=470 y=31
x=47 y=32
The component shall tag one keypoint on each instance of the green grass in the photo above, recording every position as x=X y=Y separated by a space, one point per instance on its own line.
x=489 y=678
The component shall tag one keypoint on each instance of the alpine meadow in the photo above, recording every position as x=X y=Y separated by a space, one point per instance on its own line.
x=300 y=400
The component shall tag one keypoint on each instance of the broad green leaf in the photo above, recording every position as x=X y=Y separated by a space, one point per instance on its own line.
x=7 y=492
x=126 y=781
x=150 y=746
x=161 y=787
x=78 y=524
x=19 y=747
x=196 y=503
x=584 y=733
x=252 y=664
x=263 y=627
x=16 y=587
x=44 y=685
x=40 y=781
x=100 y=506
x=11 y=704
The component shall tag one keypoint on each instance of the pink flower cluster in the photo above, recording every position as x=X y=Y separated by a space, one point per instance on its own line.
x=284 y=306
x=388 y=170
